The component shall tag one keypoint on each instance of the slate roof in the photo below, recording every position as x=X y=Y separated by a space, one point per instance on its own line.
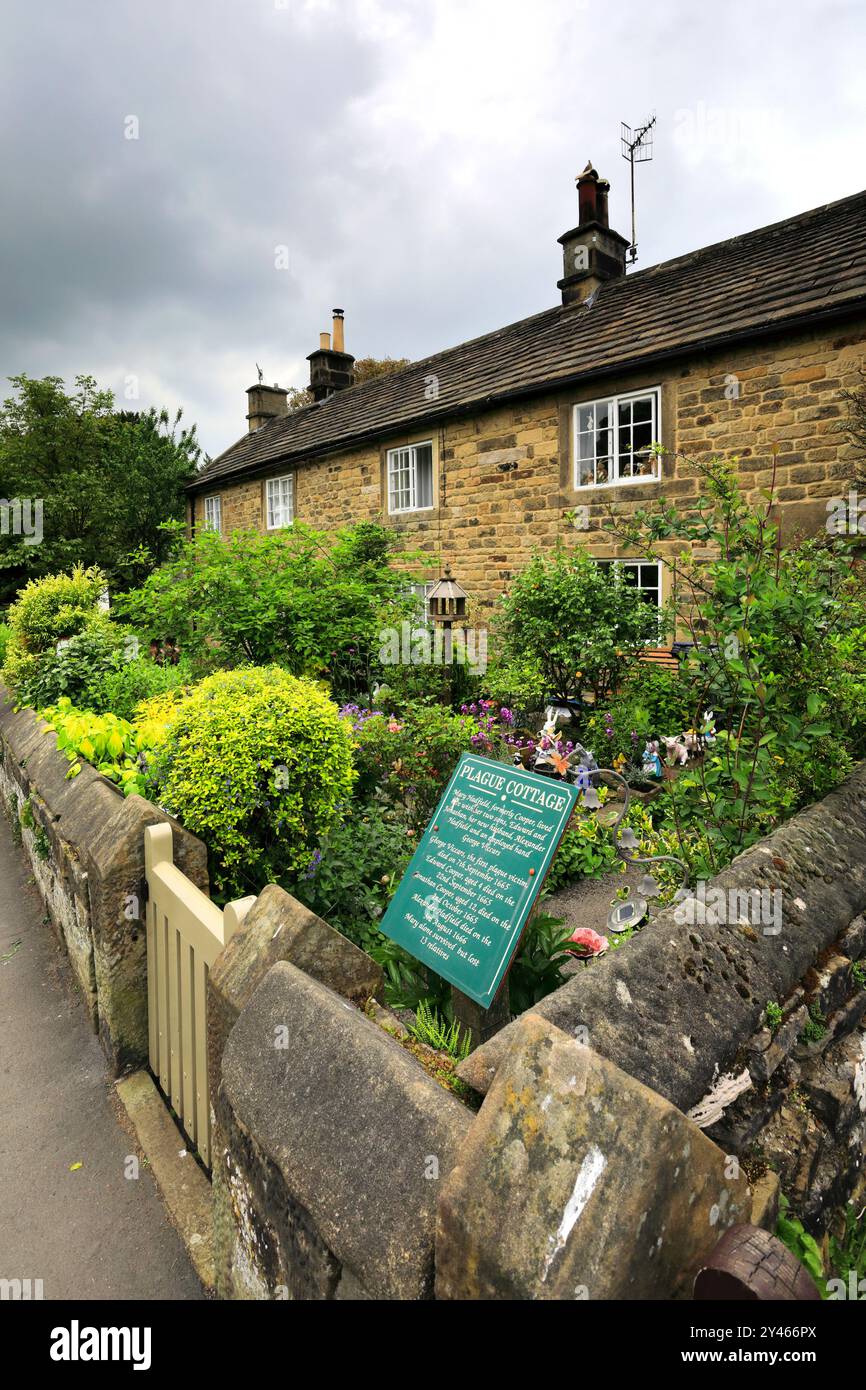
x=802 y=270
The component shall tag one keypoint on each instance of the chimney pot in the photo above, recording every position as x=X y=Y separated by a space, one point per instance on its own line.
x=339 y=340
x=325 y=342
x=592 y=252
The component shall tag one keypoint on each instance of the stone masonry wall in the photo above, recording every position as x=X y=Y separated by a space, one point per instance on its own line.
x=503 y=477
x=85 y=843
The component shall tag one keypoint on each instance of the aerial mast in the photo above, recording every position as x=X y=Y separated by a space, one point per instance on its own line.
x=637 y=148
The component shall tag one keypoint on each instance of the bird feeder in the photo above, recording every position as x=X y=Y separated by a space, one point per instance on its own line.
x=446 y=601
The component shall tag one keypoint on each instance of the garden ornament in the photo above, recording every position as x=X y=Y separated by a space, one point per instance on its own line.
x=652 y=763
x=677 y=752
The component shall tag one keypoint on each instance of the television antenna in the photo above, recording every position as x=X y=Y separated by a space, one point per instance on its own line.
x=637 y=148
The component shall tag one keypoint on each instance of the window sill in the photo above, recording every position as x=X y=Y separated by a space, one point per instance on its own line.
x=618 y=482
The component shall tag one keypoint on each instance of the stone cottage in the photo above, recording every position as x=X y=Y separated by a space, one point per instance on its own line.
x=484 y=452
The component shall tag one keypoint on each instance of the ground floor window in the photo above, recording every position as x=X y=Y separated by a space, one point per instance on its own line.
x=213 y=513
x=410 y=478
x=281 y=501
x=645 y=575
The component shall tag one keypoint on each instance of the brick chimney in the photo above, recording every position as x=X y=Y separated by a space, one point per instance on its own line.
x=331 y=367
x=265 y=402
x=591 y=252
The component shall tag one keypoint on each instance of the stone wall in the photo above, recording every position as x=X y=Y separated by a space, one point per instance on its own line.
x=347 y=1168
x=503 y=476
x=85 y=843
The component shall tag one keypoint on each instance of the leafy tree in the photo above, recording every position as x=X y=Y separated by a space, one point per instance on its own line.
x=106 y=479
x=770 y=627
x=308 y=601
x=585 y=626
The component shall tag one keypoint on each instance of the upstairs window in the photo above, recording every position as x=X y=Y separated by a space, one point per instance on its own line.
x=213 y=514
x=280 y=497
x=410 y=478
x=612 y=440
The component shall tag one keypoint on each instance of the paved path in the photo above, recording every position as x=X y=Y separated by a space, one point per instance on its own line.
x=92 y=1233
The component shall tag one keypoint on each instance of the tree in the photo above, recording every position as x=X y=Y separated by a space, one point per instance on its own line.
x=585 y=626
x=101 y=481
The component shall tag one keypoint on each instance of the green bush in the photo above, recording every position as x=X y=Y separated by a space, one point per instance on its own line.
x=113 y=746
x=584 y=625
x=124 y=685
x=5 y=634
x=306 y=600
x=409 y=760
x=72 y=670
x=351 y=877
x=259 y=764
x=46 y=612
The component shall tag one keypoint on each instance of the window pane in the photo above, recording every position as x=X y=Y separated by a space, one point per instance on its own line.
x=585 y=459
x=424 y=476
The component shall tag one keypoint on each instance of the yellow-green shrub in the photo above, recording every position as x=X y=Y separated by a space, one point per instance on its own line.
x=258 y=763
x=113 y=746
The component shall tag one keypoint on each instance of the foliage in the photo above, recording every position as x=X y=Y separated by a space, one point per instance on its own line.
x=774 y=1013
x=124 y=685
x=113 y=746
x=434 y=1031
x=353 y=873
x=816 y=1026
x=297 y=597
x=46 y=612
x=408 y=761
x=848 y=1252
x=371 y=368
x=765 y=620
x=5 y=634
x=792 y=1233
x=520 y=683
x=106 y=478
x=73 y=670
x=259 y=764
x=586 y=850
x=537 y=968
x=584 y=625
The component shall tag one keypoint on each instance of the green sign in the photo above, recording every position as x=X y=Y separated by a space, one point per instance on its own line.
x=468 y=891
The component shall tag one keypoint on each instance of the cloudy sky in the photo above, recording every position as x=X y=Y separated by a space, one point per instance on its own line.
x=189 y=188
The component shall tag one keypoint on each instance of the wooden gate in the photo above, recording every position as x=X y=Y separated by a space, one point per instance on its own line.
x=185 y=934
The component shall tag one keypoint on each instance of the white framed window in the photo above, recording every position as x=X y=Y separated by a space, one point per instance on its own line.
x=613 y=437
x=643 y=575
x=213 y=514
x=410 y=478
x=420 y=592
x=280 y=499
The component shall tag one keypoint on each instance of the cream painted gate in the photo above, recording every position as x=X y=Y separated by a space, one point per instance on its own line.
x=185 y=934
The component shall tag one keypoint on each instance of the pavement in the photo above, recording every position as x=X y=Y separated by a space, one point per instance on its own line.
x=69 y=1214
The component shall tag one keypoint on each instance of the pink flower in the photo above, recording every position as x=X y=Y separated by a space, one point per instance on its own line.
x=587 y=942
x=394 y=727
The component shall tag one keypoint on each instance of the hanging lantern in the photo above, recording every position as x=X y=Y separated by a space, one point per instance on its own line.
x=648 y=887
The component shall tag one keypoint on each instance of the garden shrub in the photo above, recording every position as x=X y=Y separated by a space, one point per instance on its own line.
x=409 y=760
x=116 y=748
x=46 y=612
x=258 y=763
x=123 y=685
x=768 y=624
x=5 y=634
x=74 y=669
x=353 y=874
x=304 y=599
x=585 y=626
